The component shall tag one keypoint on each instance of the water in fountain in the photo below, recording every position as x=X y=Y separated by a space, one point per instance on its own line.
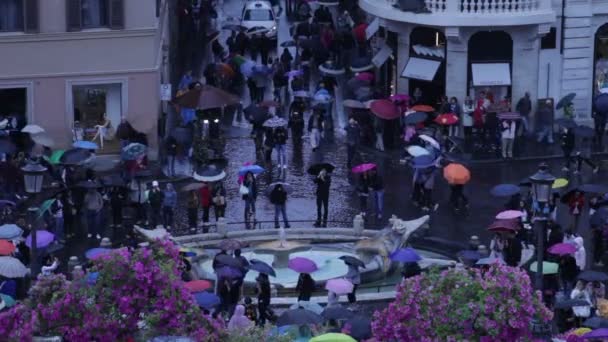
x=282 y=237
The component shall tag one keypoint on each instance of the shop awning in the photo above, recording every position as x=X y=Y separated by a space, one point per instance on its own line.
x=491 y=74
x=421 y=68
x=435 y=51
x=382 y=55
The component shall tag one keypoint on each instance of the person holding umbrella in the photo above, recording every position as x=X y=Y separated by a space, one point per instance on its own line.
x=567 y=143
x=278 y=197
x=262 y=284
x=249 y=191
x=323 y=182
x=296 y=117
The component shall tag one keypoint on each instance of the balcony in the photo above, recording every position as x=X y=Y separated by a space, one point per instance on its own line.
x=466 y=13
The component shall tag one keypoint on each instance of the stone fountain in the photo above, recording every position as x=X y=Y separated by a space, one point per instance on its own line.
x=281 y=249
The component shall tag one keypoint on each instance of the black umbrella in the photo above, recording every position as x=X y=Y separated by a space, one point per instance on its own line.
x=415 y=118
x=568 y=303
x=89 y=184
x=288 y=43
x=601 y=103
x=566 y=123
x=596 y=322
x=360 y=328
x=505 y=190
x=593 y=276
x=183 y=135
x=584 y=132
x=145 y=173
x=566 y=100
x=6 y=146
x=286 y=187
x=113 y=180
x=209 y=173
x=299 y=317
x=234 y=27
x=594 y=188
x=228 y=260
x=351 y=260
x=337 y=312
x=262 y=267
x=316 y=168
x=255 y=114
x=74 y=156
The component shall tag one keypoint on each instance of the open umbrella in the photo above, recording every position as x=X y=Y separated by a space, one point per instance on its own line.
x=559 y=183
x=505 y=190
x=198 y=285
x=7 y=300
x=509 y=116
x=315 y=169
x=46 y=206
x=56 y=156
x=228 y=260
x=262 y=267
x=363 y=167
x=416 y=151
x=207 y=300
x=353 y=104
x=548 y=267
x=256 y=114
x=509 y=215
x=32 y=129
x=360 y=328
x=503 y=226
x=431 y=141
x=209 y=173
x=566 y=100
x=385 y=109
x=275 y=122
x=192 y=186
x=288 y=43
x=593 y=188
x=299 y=317
x=337 y=312
x=568 y=303
x=599 y=333
x=415 y=118
x=246 y=68
x=489 y=261
x=85 y=145
x=10 y=231
x=351 y=260
x=75 y=156
x=6 y=247
x=230 y=245
x=596 y=322
x=207 y=97
x=446 y=119
x=43 y=239
x=423 y=108
x=566 y=123
x=584 y=132
x=405 y=255
x=399 y=97
x=423 y=161
x=228 y=272
x=43 y=139
x=271 y=187
x=562 y=248
x=302 y=265
x=590 y=275
x=133 y=151
x=456 y=174
x=95 y=253
x=113 y=181
x=469 y=255
x=307 y=305
x=89 y=184
x=339 y=286
x=11 y=267
x=255 y=169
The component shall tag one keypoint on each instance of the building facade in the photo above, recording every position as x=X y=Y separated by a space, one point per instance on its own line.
x=461 y=48
x=67 y=61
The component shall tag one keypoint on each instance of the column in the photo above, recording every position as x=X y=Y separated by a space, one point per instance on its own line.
x=403 y=54
x=524 y=67
x=456 y=66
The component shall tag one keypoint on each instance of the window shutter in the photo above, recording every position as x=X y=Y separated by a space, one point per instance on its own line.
x=117 y=14
x=30 y=13
x=74 y=15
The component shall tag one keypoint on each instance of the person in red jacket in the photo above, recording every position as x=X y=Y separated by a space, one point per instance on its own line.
x=576 y=204
x=205 y=194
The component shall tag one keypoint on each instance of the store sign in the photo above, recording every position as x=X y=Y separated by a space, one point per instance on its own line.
x=165 y=92
x=383 y=54
x=372 y=28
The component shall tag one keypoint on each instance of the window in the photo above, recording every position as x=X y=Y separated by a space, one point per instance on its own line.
x=549 y=41
x=11 y=15
x=94 y=13
x=258 y=15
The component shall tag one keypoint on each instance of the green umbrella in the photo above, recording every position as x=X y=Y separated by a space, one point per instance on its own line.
x=333 y=337
x=46 y=205
x=8 y=300
x=56 y=156
x=548 y=267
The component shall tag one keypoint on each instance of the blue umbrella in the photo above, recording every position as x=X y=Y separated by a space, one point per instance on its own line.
x=469 y=255
x=414 y=118
x=590 y=275
x=405 y=255
x=505 y=190
x=96 y=252
x=262 y=267
x=247 y=68
x=255 y=169
x=10 y=231
x=207 y=300
x=85 y=145
x=133 y=151
x=423 y=161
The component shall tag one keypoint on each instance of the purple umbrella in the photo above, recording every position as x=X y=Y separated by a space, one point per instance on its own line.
x=228 y=272
x=302 y=265
x=597 y=333
x=294 y=73
x=563 y=248
x=405 y=255
x=94 y=253
x=43 y=239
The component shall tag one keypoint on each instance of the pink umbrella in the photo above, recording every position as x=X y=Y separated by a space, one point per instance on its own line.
x=399 y=98
x=365 y=76
x=509 y=215
x=302 y=265
x=339 y=286
x=363 y=167
x=385 y=109
x=562 y=249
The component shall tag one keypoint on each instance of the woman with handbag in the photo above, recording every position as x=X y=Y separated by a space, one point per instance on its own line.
x=219 y=200
x=249 y=191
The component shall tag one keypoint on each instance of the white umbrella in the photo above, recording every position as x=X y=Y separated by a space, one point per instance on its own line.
x=12 y=268
x=43 y=139
x=32 y=129
x=431 y=141
x=274 y=122
x=416 y=151
x=331 y=71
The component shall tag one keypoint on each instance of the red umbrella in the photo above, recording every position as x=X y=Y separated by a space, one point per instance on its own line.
x=446 y=119
x=359 y=32
x=365 y=76
x=423 y=108
x=502 y=226
x=6 y=247
x=198 y=285
x=384 y=109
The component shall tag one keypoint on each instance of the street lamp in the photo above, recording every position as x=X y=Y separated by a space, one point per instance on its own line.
x=33 y=176
x=542 y=182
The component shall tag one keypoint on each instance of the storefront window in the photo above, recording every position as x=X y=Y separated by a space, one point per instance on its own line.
x=11 y=15
x=601 y=59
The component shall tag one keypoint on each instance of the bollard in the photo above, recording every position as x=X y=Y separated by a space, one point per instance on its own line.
x=72 y=262
x=483 y=250
x=222 y=227
x=474 y=242
x=358 y=224
x=105 y=243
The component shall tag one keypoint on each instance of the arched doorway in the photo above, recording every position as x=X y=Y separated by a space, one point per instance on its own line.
x=489 y=66
x=425 y=68
x=600 y=59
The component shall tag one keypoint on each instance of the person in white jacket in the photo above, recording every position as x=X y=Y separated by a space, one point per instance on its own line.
x=508 y=137
x=580 y=292
x=580 y=255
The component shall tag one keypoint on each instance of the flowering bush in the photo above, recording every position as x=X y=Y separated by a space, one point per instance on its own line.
x=137 y=292
x=458 y=305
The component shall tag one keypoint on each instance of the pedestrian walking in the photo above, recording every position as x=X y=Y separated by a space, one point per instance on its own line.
x=155 y=198
x=249 y=191
x=315 y=125
x=57 y=211
x=567 y=139
x=524 y=107
x=457 y=196
x=269 y=144
x=376 y=183
x=171 y=148
x=508 y=137
x=467 y=117
x=263 y=292
x=94 y=204
x=305 y=287
x=583 y=155
x=117 y=201
x=454 y=108
x=581 y=254
x=169 y=205
x=278 y=197
x=192 y=205
x=323 y=182
x=219 y=200
x=280 y=141
x=575 y=205
x=353 y=138
x=545 y=122
x=296 y=118
x=205 y=201
x=354 y=276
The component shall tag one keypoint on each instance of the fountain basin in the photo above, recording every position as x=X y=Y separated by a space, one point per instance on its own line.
x=281 y=250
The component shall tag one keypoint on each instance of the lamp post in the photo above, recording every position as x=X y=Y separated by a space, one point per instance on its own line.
x=542 y=181
x=33 y=176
